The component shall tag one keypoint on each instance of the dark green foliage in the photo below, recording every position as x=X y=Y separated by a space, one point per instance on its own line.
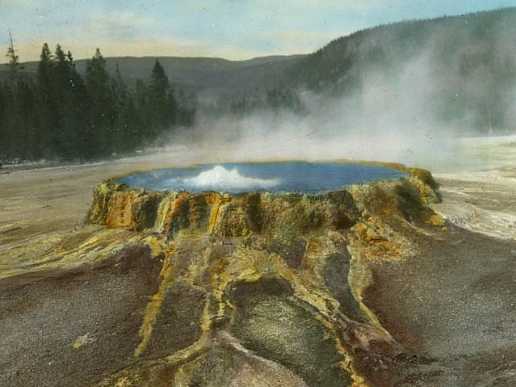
x=60 y=115
x=102 y=114
x=160 y=104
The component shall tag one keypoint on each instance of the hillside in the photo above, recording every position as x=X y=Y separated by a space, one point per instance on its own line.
x=462 y=68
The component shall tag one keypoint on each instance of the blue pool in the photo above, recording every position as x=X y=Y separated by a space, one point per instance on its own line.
x=303 y=177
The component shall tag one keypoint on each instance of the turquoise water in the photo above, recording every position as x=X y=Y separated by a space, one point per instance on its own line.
x=302 y=177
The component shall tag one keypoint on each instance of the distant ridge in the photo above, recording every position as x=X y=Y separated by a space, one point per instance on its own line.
x=200 y=74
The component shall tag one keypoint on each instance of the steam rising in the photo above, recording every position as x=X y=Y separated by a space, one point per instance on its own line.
x=391 y=117
x=221 y=179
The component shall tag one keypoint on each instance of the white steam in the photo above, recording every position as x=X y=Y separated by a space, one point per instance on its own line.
x=221 y=179
x=390 y=118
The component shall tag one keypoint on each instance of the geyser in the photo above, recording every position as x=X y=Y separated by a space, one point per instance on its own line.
x=270 y=282
x=252 y=177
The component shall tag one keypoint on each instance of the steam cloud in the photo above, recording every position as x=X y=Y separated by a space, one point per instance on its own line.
x=391 y=118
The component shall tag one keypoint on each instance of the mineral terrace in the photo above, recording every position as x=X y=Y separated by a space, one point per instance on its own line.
x=209 y=289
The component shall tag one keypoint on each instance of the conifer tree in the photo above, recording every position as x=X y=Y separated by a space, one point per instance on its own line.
x=13 y=59
x=27 y=139
x=102 y=114
x=47 y=109
x=162 y=102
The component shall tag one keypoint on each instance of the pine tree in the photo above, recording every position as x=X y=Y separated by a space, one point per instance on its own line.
x=46 y=106
x=74 y=106
x=45 y=68
x=26 y=140
x=80 y=106
x=162 y=103
x=6 y=115
x=61 y=139
x=121 y=98
x=14 y=64
x=159 y=84
x=102 y=115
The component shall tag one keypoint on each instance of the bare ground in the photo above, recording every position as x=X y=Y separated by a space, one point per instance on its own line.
x=453 y=305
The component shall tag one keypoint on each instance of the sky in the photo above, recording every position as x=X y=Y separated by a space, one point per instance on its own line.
x=232 y=29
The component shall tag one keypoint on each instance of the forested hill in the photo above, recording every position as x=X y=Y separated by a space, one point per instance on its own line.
x=465 y=64
x=453 y=41
x=460 y=72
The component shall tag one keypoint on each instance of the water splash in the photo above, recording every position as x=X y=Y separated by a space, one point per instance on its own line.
x=221 y=179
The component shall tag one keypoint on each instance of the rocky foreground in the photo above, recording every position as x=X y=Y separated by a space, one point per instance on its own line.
x=363 y=287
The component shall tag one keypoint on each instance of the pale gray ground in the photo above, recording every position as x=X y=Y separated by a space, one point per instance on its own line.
x=455 y=303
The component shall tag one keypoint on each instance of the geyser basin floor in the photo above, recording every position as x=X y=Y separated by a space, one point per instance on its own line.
x=273 y=177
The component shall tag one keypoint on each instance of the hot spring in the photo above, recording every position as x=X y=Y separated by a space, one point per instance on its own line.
x=299 y=177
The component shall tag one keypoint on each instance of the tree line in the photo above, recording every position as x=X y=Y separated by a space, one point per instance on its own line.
x=60 y=114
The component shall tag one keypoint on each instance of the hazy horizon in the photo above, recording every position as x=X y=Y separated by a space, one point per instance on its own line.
x=218 y=29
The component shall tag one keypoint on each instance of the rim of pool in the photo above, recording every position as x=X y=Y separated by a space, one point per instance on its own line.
x=274 y=177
